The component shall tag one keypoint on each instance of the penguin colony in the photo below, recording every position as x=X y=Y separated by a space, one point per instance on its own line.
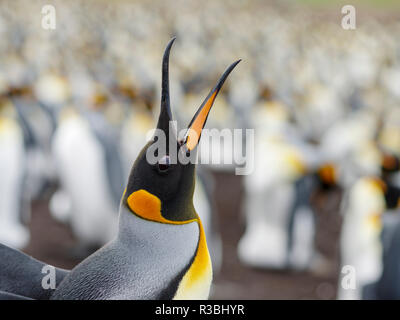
x=324 y=104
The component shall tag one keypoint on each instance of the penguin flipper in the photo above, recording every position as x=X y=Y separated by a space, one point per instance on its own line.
x=22 y=275
x=10 y=296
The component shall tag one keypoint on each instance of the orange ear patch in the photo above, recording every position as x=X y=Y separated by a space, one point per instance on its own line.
x=327 y=174
x=148 y=206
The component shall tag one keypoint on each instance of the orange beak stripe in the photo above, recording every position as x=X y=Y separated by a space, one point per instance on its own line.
x=198 y=123
x=199 y=120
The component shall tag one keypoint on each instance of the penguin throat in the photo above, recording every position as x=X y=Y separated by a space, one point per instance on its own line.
x=196 y=282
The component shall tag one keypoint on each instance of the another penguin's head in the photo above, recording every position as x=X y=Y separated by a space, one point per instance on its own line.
x=327 y=174
x=390 y=163
x=163 y=191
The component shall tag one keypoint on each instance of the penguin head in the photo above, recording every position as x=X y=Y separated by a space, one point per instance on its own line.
x=327 y=175
x=390 y=163
x=161 y=190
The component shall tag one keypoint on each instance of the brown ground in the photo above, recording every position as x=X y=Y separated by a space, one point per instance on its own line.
x=52 y=242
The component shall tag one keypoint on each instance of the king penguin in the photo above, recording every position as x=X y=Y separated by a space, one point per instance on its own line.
x=360 y=243
x=160 y=251
x=12 y=170
x=85 y=199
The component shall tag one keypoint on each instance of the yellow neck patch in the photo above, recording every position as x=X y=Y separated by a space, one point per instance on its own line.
x=374 y=221
x=6 y=124
x=378 y=184
x=197 y=281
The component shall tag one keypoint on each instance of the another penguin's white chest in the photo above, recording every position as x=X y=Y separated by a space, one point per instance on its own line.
x=82 y=171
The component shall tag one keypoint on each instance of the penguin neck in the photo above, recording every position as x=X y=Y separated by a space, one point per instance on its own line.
x=176 y=199
x=134 y=229
x=180 y=207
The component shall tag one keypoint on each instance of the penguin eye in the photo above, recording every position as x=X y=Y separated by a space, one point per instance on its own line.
x=163 y=164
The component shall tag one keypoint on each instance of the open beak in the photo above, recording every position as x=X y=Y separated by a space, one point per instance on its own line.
x=196 y=126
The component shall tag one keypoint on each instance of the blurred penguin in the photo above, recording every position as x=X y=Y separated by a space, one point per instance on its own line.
x=280 y=219
x=12 y=167
x=388 y=285
x=360 y=243
x=269 y=189
x=86 y=161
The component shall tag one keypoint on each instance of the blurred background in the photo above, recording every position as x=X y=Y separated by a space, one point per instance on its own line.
x=76 y=103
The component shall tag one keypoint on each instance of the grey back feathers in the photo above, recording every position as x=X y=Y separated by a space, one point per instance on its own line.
x=21 y=275
x=388 y=285
x=10 y=296
x=146 y=261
